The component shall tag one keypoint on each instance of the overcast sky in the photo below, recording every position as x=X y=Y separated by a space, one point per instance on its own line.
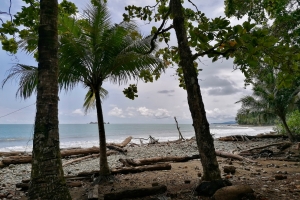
x=157 y=102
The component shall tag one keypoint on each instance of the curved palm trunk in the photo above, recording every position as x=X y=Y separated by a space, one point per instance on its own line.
x=47 y=176
x=204 y=139
x=104 y=169
x=289 y=133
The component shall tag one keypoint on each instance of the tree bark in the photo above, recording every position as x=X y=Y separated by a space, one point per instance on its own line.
x=47 y=176
x=203 y=137
x=104 y=168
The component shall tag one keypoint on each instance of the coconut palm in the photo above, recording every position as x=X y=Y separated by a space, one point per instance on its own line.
x=93 y=50
x=268 y=99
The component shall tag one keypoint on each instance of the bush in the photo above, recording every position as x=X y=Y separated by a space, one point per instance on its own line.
x=293 y=122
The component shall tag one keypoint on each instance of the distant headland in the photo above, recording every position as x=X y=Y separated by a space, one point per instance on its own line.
x=97 y=123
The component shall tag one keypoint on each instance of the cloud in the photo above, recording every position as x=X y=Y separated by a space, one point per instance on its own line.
x=217 y=86
x=220 y=115
x=160 y=113
x=165 y=91
x=117 y=112
x=78 y=112
x=223 y=91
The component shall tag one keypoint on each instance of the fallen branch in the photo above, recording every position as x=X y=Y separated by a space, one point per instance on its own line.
x=80 y=159
x=122 y=144
x=285 y=144
x=135 y=193
x=247 y=137
x=126 y=170
x=113 y=147
x=28 y=159
x=149 y=161
x=233 y=156
x=180 y=135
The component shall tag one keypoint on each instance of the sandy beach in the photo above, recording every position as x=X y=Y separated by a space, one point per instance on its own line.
x=183 y=177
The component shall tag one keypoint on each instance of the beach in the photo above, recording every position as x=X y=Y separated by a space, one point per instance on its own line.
x=264 y=169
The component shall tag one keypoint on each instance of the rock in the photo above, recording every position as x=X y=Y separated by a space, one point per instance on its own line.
x=154 y=184
x=229 y=169
x=234 y=192
x=280 y=177
x=187 y=181
x=208 y=188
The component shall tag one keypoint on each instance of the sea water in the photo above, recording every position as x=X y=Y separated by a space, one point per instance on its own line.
x=18 y=137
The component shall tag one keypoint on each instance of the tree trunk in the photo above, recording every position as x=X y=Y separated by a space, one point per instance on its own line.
x=47 y=176
x=104 y=169
x=203 y=137
x=288 y=131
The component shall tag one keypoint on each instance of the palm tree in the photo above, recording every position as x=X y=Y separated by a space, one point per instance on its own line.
x=268 y=99
x=93 y=50
x=47 y=177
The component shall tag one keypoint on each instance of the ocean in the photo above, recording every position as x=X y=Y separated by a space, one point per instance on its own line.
x=18 y=137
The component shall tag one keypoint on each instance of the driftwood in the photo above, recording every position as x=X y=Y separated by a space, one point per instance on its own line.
x=126 y=170
x=113 y=147
x=122 y=144
x=285 y=144
x=247 y=137
x=27 y=159
x=12 y=153
x=233 y=156
x=178 y=128
x=25 y=184
x=80 y=159
x=149 y=161
x=135 y=193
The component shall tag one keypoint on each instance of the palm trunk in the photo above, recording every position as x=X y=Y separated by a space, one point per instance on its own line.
x=104 y=169
x=204 y=138
x=47 y=176
x=288 y=131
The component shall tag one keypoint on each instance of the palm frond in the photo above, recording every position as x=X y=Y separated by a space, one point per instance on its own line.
x=90 y=99
x=27 y=79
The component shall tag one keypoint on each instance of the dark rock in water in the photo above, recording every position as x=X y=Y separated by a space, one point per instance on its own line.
x=208 y=188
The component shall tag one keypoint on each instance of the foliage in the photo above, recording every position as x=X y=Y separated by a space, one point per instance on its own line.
x=293 y=120
x=268 y=99
x=285 y=15
x=131 y=91
x=22 y=31
x=214 y=38
x=246 y=117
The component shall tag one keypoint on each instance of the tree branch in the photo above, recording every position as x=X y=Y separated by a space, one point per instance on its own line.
x=160 y=30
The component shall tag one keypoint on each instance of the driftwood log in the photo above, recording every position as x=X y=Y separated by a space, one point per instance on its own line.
x=149 y=161
x=27 y=159
x=283 y=145
x=116 y=148
x=233 y=156
x=122 y=144
x=126 y=170
x=80 y=159
x=135 y=193
x=247 y=137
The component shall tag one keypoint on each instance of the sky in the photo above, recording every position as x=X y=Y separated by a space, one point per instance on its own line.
x=157 y=102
